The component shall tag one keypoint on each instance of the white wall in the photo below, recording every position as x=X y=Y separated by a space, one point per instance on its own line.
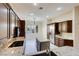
x=63 y=17
x=76 y=26
x=42 y=30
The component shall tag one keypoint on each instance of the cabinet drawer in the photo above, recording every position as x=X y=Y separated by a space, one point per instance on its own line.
x=68 y=42
x=59 y=42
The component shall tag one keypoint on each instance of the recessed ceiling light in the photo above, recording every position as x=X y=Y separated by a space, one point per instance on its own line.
x=59 y=8
x=35 y=4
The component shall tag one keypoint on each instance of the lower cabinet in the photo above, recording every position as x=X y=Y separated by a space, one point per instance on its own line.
x=38 y=45
x=42 y=45
x=63 y=42
x=45 y=45
x=59 y=42
x=68 y=42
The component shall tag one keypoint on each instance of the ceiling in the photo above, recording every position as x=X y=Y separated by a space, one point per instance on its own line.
x=27 y=11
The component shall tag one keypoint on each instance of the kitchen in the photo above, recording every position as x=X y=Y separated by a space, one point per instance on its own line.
x=58 y=27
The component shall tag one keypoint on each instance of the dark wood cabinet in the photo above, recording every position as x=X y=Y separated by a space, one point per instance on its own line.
x=68 y=42
x=59 y=42
x=65 y=26
x=69 y=26
x=63 y=42
x=22 y=28
x=19 y=29
x=57 y=28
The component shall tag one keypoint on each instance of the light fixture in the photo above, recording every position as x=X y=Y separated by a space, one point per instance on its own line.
x=35 y=4
x=59 y=8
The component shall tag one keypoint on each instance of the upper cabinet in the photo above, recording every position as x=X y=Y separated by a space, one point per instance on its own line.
x=60 y=27
x=69 y=26
x=22 y=28
x=57 y=28
x=65 y=26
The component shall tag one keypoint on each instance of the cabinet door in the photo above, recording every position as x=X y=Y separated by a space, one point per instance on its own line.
x=22 y=28
x=60 y=27
x=57 y=28
x=68 y=42
x=69 y=26
x=64 y=27
x=60 y=42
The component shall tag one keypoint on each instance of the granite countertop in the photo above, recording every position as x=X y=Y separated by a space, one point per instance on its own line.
x=11 y=40
x=13 y=51
x=67 y=36
x=19 y=39
x=66 y=51
x=42 y=40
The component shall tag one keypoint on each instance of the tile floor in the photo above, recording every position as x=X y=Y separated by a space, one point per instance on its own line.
x=30 y=46
x=52 y=46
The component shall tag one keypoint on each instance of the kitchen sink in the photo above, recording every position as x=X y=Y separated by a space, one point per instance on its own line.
x=17 y=44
